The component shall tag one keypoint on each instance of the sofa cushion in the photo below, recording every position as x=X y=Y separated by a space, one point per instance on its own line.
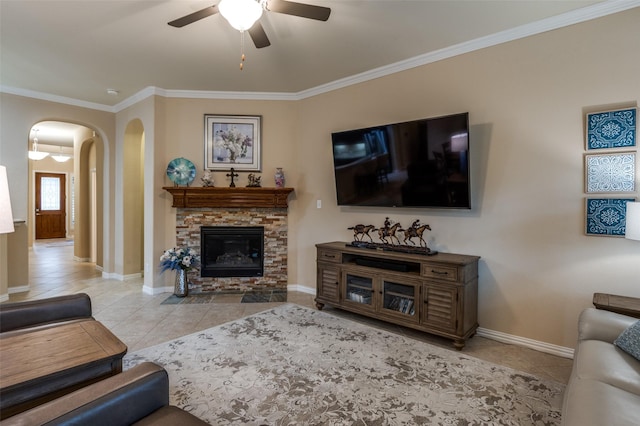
x=601 y=361
x=629 y=340
x=593 y=403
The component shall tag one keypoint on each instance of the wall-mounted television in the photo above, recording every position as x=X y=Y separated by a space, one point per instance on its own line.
x=420 y=163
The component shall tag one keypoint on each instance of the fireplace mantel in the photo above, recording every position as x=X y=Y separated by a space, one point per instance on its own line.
x=223 y=197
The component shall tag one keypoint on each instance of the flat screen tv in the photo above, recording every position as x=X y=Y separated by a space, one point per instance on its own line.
x=420 y=163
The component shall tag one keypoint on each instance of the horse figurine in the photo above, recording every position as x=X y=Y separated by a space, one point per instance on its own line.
x=361 y=231
x=415 y=230
x=388 y=231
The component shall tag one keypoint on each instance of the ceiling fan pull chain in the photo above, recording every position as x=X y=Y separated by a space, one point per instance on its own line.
x=242 y=50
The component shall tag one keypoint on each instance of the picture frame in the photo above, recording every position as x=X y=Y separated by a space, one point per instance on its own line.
x=611 y=129
x=232 y=141
x=610 y=172
x=606 y=217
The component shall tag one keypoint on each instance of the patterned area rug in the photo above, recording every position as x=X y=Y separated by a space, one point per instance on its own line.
x=297 y=366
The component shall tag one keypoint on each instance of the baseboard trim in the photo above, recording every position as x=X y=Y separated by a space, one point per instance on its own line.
x=156 y=290
x=301 y=289
x=529 y=343
x=81 y=259
x=120 y=277
x=19 y=289
x=4 y=297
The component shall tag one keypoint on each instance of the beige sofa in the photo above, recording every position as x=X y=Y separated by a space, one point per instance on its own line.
x=604 y=387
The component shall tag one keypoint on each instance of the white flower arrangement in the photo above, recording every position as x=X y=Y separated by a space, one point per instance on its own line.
x=179 y=258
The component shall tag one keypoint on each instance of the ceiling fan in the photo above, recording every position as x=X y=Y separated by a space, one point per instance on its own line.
x=255 y=30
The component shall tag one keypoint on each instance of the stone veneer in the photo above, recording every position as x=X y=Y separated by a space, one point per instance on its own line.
x=274 y=221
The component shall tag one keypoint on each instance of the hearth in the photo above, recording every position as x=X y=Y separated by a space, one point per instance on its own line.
x=232 y=251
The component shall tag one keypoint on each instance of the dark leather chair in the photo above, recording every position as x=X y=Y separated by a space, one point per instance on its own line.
x=35 y=313
x=139 y=396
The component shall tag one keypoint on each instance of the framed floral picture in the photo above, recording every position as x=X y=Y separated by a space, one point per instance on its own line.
x=232 y=141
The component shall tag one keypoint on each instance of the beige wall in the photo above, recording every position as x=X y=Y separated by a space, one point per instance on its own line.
x=526 y=100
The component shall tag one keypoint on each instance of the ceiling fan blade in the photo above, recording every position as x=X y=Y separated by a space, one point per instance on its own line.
x=193 y=17
x=258 y=36
x=310 y=11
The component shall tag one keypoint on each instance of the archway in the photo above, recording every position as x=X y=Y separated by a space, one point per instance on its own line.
x=84 y=171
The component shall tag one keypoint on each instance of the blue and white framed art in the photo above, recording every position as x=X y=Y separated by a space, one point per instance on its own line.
x=612 y=129
x=606 y=216
x=610 y=172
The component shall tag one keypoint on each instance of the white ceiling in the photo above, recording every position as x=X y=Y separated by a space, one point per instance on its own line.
x=79 y=49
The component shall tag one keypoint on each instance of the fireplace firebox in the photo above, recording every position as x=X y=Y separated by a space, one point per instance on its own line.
x=232 y=251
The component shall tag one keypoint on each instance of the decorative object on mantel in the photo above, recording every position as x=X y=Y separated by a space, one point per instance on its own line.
x=612 y=129
x=207 y=179
x=232 y=141
x=223 y=197
x=606 y=216
x=387 y=235
x=279 y=177
x=181 y=171
x=254 y=181
x=232 y=174
x=180 y=260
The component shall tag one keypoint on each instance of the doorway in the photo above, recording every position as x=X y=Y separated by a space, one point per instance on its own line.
x=50 y=205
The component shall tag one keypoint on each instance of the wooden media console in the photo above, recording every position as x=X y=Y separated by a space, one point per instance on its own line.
x=437 y=294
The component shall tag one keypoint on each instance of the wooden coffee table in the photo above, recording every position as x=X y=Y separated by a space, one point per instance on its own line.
x=41 y=365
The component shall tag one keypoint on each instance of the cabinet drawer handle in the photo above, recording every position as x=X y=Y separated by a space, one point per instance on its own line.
x=433 y=271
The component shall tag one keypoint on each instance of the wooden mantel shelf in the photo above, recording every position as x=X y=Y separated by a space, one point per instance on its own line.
x=223 y=197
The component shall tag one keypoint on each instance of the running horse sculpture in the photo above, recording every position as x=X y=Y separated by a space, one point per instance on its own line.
x=388 y=231
x=360 y=231
x=415 y=231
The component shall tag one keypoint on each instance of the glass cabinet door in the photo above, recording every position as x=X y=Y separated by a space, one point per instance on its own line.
x=400 y=298
x=358 y=289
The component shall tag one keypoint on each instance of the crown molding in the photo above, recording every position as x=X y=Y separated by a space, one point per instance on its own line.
x=549 y=24
x=55 y=98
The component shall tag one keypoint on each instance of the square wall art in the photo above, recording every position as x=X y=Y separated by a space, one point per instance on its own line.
x=614 y=172
x=612 y=129
x=606 y=216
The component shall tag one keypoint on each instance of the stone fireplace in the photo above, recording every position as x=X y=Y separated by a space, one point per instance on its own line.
x=230 y=210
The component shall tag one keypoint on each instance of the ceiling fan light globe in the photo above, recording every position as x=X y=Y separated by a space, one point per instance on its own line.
x=241 y=14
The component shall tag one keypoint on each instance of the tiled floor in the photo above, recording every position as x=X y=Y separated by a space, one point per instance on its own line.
x=141 y=320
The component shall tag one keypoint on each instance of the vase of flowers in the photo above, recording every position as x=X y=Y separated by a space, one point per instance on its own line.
x=180 y=260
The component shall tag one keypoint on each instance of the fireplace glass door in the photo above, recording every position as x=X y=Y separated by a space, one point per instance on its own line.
x=232 y=251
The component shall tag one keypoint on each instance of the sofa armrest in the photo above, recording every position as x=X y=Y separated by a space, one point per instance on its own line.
x=595 y=324
x=17 y=315
x=122 y=399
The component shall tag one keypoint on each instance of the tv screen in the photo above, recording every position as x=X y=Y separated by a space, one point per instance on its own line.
x=420 y=163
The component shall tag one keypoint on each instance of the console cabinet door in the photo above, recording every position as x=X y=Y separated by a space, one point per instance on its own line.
x=358 y=291
x=401 y=298
x=328 y=283
x=440 y=307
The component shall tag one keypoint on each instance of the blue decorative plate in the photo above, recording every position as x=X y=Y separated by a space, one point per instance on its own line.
x=181 y=171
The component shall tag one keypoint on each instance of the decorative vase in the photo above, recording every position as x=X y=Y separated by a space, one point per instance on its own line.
x=181 y=288
x=279 y=177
